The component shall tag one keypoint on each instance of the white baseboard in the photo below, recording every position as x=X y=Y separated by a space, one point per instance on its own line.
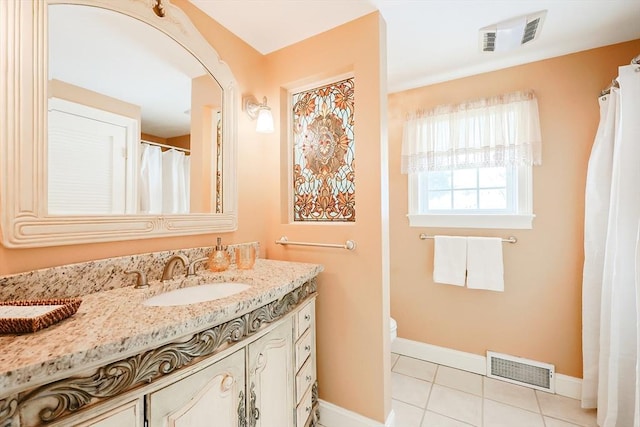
x=335 y=416
x=441 y=355
x=565 y=385
x=569 y=386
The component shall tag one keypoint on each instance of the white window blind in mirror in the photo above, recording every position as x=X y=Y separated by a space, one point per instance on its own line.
x=87 y=161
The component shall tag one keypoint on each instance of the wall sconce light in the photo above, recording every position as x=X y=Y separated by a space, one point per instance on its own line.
x=261 y=112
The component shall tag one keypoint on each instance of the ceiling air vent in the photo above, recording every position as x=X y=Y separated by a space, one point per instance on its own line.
x=512 y=33
x=489 y=42
x=530 y=31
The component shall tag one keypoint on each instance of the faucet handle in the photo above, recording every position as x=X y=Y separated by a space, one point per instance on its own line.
x=167 y=273
x=191 y=270
x=141 y=282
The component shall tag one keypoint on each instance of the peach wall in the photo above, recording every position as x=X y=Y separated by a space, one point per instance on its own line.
x=205 y=105
x=246 y=64
x=182 y=141
x=353 y=306
x=352 y=309
x=80 y=95
x=539 y=314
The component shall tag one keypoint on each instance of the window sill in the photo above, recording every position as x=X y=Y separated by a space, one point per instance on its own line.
x=521 y=222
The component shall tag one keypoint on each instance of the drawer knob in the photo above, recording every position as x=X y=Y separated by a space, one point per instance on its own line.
x=226 y=383
x=308 y=409
x=308 y=378
x=307 y=317
x=307 y=347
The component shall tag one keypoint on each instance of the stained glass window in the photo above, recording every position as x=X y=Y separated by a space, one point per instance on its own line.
x=324 y=153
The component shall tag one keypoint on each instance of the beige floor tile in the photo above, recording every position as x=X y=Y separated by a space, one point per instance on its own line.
x=415 y=368
x=460 y=380
x=406 y=415
x=552 y=422
x=456 y=404
x=566 y=409
x=496 y=414
x=511 y=394
x=410 y=390
x=431 y=419
x=394 y=359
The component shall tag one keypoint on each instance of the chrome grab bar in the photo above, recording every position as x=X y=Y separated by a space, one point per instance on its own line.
x=348 y=245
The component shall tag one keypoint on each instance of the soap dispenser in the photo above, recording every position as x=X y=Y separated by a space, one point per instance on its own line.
x=219 y=259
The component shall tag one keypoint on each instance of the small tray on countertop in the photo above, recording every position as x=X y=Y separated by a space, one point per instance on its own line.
x=17 y=317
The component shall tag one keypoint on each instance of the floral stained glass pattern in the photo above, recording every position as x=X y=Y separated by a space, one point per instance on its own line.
x=324 y=153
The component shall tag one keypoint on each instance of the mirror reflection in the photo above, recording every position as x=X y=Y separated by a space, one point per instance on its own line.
x=134 y=121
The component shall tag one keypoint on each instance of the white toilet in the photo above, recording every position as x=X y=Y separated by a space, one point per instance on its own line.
x=393 y=329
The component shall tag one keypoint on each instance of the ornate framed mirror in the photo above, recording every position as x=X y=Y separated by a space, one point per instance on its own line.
x=90 y=87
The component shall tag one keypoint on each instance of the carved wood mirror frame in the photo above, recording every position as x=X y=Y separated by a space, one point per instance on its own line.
x=23 y=132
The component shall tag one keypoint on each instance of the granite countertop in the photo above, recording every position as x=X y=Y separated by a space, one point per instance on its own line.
x=114 y=324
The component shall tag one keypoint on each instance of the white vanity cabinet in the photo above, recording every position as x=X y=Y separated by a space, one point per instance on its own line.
x=305 y=363
x=277 y=391
x=254 y=370
x=214 y=393
x=130 y=414
x=270 y=385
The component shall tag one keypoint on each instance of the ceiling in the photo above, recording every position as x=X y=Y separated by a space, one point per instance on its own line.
x=430 y=41
x=125 y=59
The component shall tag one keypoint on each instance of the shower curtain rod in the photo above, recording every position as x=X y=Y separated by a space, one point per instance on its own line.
x=614 y=82
x=186 y=150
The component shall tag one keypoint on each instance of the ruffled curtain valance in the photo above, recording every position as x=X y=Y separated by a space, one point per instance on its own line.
x=500 y=131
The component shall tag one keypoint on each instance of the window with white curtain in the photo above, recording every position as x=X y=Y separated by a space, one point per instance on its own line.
x=470 y=165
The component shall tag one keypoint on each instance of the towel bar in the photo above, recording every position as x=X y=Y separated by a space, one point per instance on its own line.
x=510 y=239
x=348 y=245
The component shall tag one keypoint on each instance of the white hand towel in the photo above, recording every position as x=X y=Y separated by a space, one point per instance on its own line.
x=449 y=260
x=484 y=263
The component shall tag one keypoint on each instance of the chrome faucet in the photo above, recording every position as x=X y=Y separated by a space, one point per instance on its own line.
x=170 y=266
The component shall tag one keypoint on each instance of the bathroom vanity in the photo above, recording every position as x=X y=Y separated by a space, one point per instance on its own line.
x=244 y=360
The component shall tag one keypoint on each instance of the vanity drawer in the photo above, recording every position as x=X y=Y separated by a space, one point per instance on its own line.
x=304 y=409
x=304 y=319
x=304 y=379
x=304 y=346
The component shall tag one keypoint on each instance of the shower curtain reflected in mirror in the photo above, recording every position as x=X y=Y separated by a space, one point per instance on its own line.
x=611 y=277
x=164 y=181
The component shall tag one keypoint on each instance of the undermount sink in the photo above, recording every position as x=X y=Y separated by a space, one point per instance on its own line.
x=195 y=294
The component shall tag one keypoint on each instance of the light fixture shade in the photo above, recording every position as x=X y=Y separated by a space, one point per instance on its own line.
x=265 y=121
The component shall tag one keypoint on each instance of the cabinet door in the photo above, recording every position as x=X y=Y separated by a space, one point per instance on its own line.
x=129 y=414
x=215 y=393
x=271 y=372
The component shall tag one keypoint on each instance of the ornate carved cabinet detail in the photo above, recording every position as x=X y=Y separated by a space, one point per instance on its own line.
x=195 y=379
x=214 y=393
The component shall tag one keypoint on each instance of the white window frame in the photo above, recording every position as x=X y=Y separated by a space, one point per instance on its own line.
x=521 y=219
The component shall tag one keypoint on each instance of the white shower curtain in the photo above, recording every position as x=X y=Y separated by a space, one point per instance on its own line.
x=174 y=182
x=611 y=279
x=164 y=181
x=150 y=179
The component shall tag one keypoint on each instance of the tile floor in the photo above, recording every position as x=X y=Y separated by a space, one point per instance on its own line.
x=429 y=395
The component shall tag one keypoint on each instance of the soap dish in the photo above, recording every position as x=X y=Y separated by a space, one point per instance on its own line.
x=18 y=317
